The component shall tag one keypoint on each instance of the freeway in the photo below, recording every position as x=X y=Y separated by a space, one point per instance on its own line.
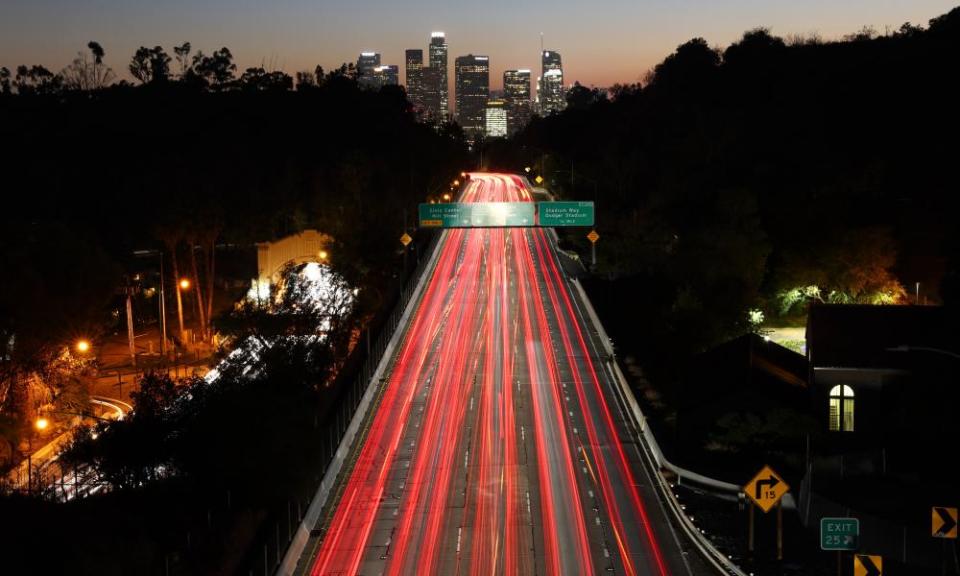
x=497 y=444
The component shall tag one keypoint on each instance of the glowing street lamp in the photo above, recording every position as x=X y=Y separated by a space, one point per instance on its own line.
x=456 y=182
x=184 y=283
x=42 y=424
x=446 y=197
x=463 y=174
x=323 y=255
x=527 y=169
x=83 y=346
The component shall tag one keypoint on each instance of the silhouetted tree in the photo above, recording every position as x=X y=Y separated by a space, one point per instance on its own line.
x=217 y=69
x=182 y=53
x=580 y=97
x=88 y=72
x=5 y=81
x=258 y=79
x=150 y=65
x=37 y=80
x=305 y=80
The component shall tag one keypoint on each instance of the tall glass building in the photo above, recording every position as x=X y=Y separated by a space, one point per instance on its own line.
x=431 y=95
x=414 y=72
x=365 y=65
x=550 y=92
x=388 y=75
x=516 y=96
x=496 y=119
x=438 y=60
x=473 y=91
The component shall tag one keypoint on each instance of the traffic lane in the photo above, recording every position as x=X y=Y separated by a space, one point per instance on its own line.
x=627 y=533
x=420 y=537
x=352 y=510
x=651 y=541
x=567 y=546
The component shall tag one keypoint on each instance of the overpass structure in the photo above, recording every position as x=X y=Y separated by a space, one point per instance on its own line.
x=499 y=437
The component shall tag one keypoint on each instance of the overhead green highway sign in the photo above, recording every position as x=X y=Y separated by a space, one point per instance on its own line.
x=565 y=213
x=477 y=215
x=503 y=214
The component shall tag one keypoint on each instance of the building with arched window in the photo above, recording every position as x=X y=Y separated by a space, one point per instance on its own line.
x=841 y=408
x=869 y=376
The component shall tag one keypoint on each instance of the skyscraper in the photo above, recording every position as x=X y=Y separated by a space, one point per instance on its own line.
x=496 y=119
x=516 y=95
x=388 y=75
x=365 y=65
x=431 y=94
x=473 y=90
x=438 y=60
x=414 y=72
x=550 y=92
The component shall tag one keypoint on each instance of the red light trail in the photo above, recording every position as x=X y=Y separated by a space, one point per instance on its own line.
x=493 y=448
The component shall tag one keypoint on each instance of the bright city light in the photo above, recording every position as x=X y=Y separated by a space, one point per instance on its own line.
x=184 y=283
x=83 y=346
x=42 y=424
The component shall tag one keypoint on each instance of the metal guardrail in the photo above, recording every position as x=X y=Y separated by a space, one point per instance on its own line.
x=651 y=450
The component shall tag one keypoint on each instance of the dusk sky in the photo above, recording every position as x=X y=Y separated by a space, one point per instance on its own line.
x=601 y=42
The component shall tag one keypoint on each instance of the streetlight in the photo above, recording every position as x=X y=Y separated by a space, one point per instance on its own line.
x=83 y=346
x=456 y=182
x=446 y=197
x=184 y=283
x=42 y=424
x=323 y=255
x=526 y=169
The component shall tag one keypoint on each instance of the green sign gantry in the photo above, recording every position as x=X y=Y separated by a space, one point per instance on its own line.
x=839 y=533
x=477 y=215
x=565 y=213
x=502 y=214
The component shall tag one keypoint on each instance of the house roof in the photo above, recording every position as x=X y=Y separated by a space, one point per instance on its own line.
x=862 y=336
x=752 y=352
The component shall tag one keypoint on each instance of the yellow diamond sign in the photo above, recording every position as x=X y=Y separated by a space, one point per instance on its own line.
x=405 y=239
x=944 y=522
x=867 y=565
x=538 y=179
x=593 y=236
x=766 y=489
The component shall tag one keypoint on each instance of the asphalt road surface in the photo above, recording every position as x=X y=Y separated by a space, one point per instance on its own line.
x=497 y=444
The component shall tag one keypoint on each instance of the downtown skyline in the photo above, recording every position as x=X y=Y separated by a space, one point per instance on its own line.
x=614 y=42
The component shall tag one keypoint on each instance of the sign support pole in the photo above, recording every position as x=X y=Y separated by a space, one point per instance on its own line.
x=779 y=531
x=593 y=254
x=750 y=531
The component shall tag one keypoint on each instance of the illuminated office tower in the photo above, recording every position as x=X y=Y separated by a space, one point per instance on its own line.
x=550 y=93
x=388 y=75
x=365 y=65
x=516 y=95
x=438 y=60
x=414 y=72
x=496 y=119
x=473 y=90
x=431 y=95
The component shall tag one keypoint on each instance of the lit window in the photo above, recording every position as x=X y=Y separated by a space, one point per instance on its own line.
x=841 y=409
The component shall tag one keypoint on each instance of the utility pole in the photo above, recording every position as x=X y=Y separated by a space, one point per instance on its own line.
x=130 y=336
x=163 y=314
